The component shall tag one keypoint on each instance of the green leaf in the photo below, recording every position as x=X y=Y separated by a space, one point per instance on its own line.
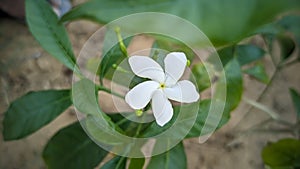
x=84 y=97
x=117 y=162
x=201 y=120
x=172 y=159
x=296 y=101
x=112 y=52
x=248 y=53
x=202 y=75
x=170 y=44
x=136 y=163
x=97 y=123
x=244 y=54
x=234 y=85
x=175 y=128
x=283 y=154
x=291 y=23
x=33 y=111
x=223 y=22
x=45 y=27
x=258 y=72
x=72 y=148
x=287 y=46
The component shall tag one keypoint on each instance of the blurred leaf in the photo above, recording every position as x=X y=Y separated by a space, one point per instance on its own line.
x=98 y=124
x=45 y=27
x=169 y=44
x=287 y=46
x=291 y=23
x=283 y=154
x=172 y=159
x=136 y=163
x=296 y=101
x=248 y=53
x=72 y=148
x=258 y=72
x=201 y=121
x=201 y=74
x=33 y=111
x=176 y=128
x=234 y=85
x=244 y=54
x=84 y=94
x=223 y=22
x=278 y=30
x=112 y=53
x=117 y=162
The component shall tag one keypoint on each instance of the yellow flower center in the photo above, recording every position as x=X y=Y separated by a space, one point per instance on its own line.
x=162 y=86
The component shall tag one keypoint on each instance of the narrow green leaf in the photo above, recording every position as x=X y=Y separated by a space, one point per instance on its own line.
x=296 y=101
x=287 y=46
x=136 y=163
x=258 y=72
x=117 y=162
x=33 y=111
x=172 y=159
x=282 y=154
x=72 y=148
x=223 y=22
x=45 y=27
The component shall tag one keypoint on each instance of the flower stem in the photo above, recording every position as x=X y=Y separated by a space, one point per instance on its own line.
x=121 y=43
x=102 y=88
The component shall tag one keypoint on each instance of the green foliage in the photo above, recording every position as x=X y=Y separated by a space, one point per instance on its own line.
x=202 y=75
x=296 y=100
x=182 y=125
x=112 y=54
x=136 y=163
x=72 y=148
x=234 y=84
x=85 y=100
x=291 y=23
x=45 y=27
x=115 y=163
x=33 y=111
x=258 y=72
x=225 y=24
x=284 y=154
x=201 y=120
x=172 y=159
x=244 y=54
x=287 y=46
x=240 y=18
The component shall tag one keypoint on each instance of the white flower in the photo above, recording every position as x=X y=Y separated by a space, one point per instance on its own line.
x=163 y=85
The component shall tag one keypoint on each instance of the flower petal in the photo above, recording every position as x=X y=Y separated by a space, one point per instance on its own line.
x=139 y=96
x=184 y=91
x=175 y=63
x=146 y=67
x=162 y=108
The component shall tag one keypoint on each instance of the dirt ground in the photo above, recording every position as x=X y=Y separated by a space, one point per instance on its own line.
x=25 y=66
